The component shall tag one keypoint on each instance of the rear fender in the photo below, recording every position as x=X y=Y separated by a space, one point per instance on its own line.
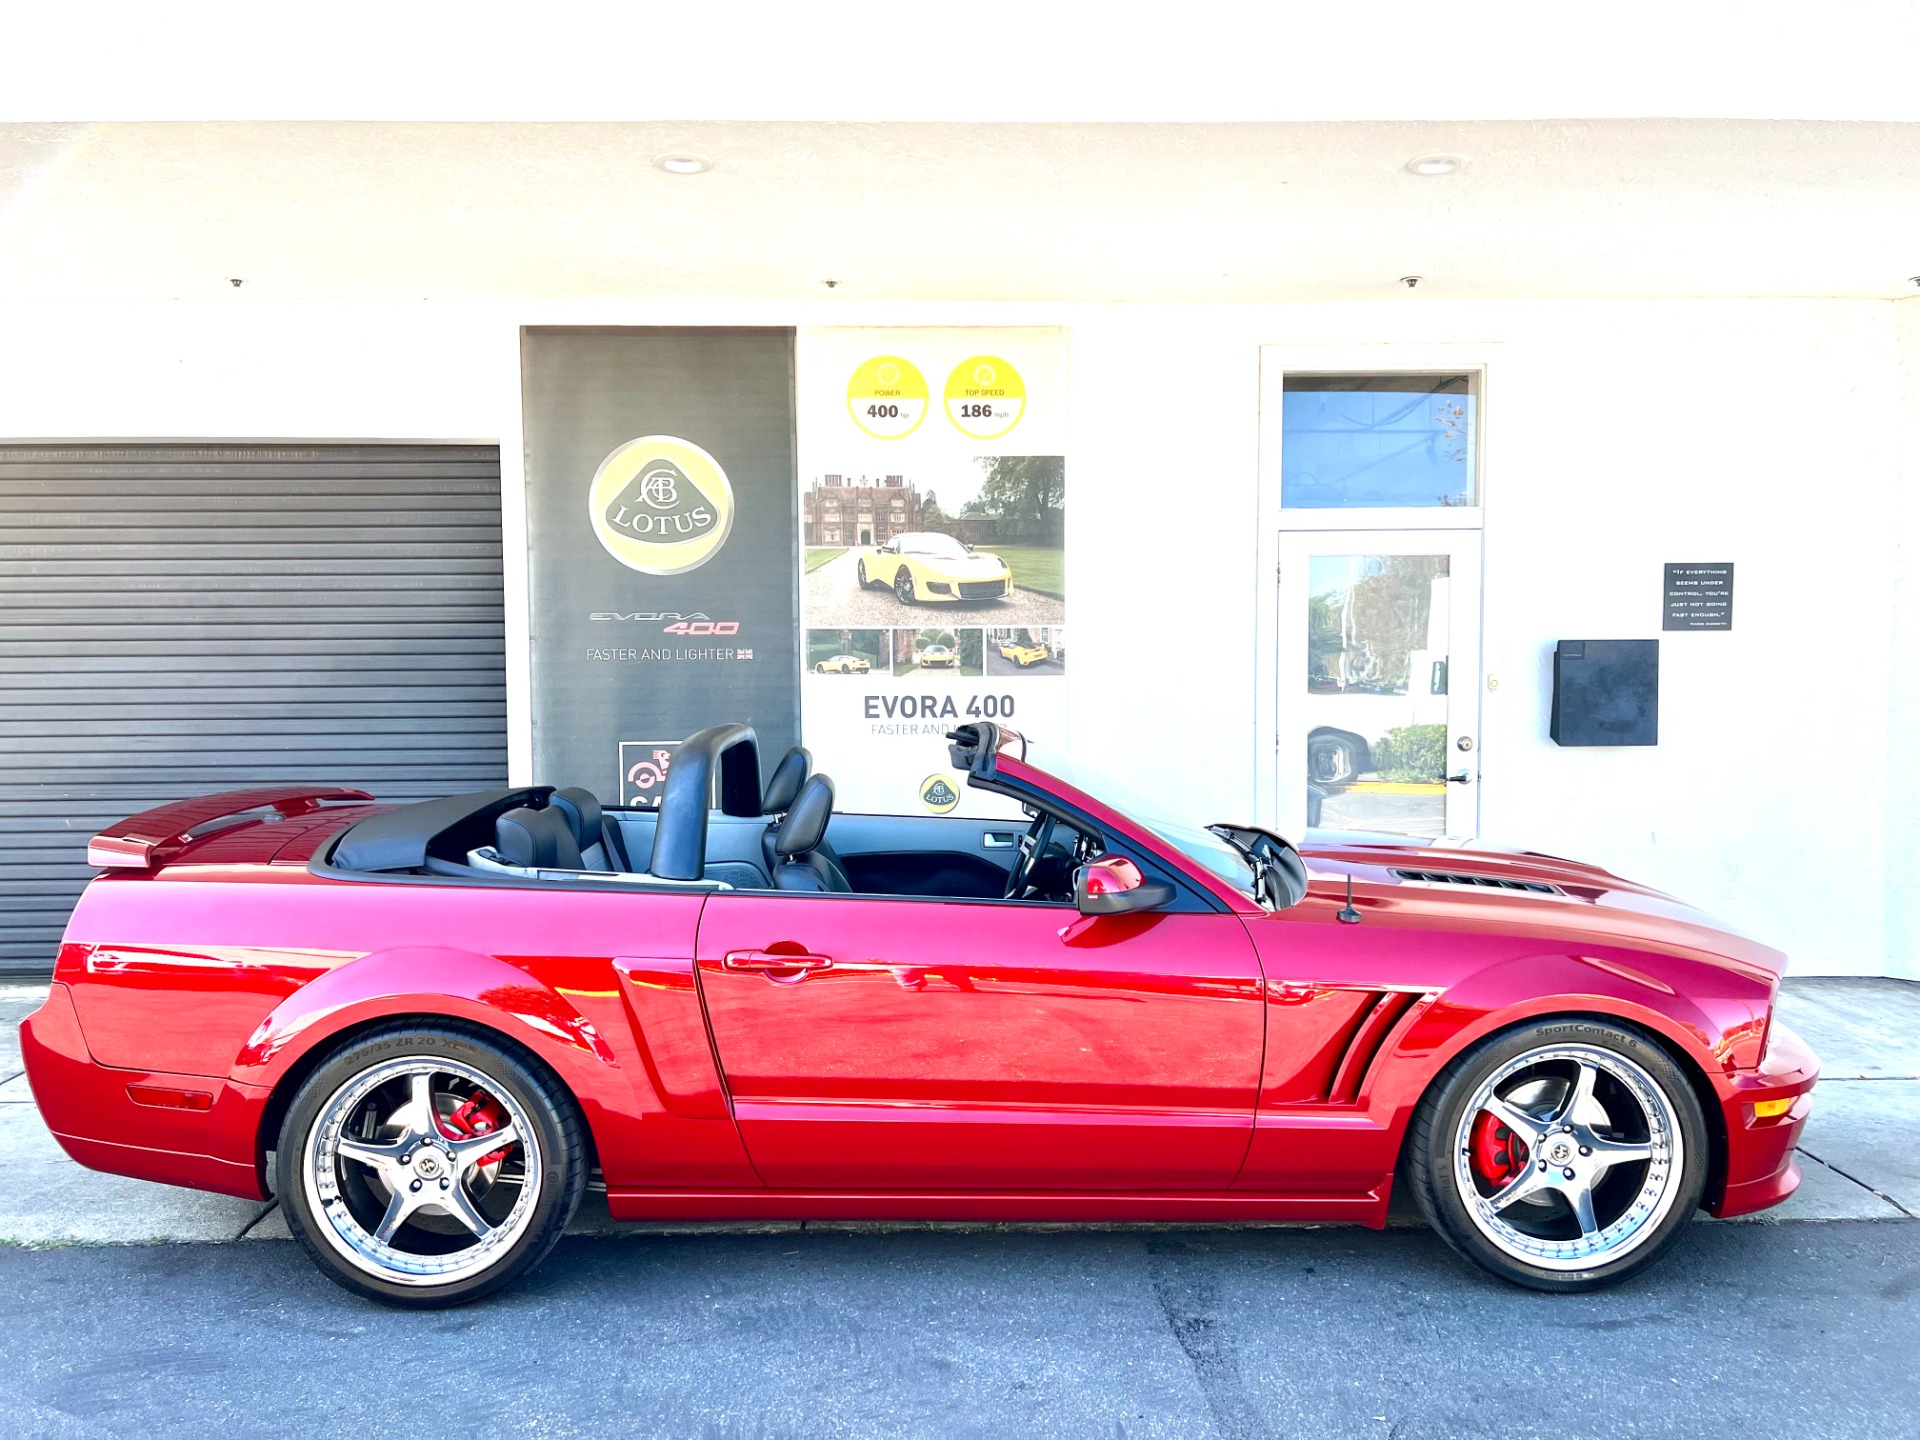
x=442 y=983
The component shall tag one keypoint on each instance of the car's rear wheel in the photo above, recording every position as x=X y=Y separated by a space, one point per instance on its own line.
x=1560 y=1155
x=429 y=1166
x=903 y=586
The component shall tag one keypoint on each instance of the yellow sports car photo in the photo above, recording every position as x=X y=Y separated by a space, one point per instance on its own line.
x=937 y=657
x=841 y=665
x=1031 y=653
x=922 y=566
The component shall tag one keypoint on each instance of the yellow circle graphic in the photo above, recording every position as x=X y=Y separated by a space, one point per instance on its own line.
x=887 y=397
x=985 y=397
x=939 y=794
x=660 y=505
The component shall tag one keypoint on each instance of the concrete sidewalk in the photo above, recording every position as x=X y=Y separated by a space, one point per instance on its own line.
x=1860 y=1153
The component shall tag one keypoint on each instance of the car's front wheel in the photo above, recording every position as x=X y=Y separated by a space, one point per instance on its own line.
x=430 y=1165
x=1560 y=1155
x=903 y=586
x=861 y=570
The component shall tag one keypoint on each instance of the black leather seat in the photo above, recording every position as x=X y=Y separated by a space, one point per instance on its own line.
x=536 y=840
x=783 y=788
x=801 y=863
x=580 y=808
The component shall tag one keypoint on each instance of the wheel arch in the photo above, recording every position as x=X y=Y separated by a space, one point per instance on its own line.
x=1660 y=1031
x=426 y=986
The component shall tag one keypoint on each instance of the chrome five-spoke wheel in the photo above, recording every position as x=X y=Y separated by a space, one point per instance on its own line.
x=1568 y=1154
x=1561 y=1154
x=430 y=1166
x=421 y=1172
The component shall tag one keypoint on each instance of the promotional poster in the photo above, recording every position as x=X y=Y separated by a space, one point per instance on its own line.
x=853 y=538
x=933 y=474
x=660 y=512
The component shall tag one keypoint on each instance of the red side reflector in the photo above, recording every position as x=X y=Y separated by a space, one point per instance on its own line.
x=165 y=1099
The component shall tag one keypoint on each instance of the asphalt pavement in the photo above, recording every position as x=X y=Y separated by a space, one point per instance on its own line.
x=1801 y=1330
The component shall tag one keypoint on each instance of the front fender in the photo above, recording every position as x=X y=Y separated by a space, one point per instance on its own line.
x=1712 y=1030
x=431 y=980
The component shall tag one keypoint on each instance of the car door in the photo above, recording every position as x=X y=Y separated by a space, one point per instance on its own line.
x=880 y=1043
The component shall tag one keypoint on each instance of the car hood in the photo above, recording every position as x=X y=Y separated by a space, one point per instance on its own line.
x=1452 y=883
x=968 y=567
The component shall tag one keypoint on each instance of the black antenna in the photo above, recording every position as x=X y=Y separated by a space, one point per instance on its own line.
x=1349 y=916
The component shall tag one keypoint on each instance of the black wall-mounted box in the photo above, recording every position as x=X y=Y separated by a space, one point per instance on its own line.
x=1606 y=692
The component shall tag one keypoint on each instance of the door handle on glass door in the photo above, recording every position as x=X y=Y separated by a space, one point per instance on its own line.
x=774 y=960
x=1461 y=779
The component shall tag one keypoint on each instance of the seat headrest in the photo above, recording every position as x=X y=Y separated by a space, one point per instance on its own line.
x=536 y=840
x=783 y=786
x=806 y=823
x=582 y=813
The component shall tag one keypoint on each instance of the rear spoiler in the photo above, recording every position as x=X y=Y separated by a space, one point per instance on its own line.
x=155 y=836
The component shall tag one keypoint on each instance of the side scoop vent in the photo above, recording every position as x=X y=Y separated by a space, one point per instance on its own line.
x=1363 y=1048
x=1480 y=882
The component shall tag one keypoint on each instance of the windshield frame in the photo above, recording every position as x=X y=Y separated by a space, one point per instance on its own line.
x=1148 y=833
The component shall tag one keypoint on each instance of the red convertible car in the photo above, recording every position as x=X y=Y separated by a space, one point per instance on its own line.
x=428 y=1029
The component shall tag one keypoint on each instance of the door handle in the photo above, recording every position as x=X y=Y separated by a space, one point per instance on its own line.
x=998 y=840
x=1461 y=779
x=774 y=960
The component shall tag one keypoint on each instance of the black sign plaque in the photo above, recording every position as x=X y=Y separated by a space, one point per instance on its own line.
x=1699 y=596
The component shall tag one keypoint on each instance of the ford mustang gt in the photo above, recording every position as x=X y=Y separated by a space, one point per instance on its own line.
x=923 y=566
x=428 y=1028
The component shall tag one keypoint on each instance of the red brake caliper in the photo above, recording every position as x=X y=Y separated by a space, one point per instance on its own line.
x=479 y=1114
x=1498 y=1154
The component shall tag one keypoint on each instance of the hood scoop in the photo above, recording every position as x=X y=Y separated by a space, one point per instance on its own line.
x=1482 y=882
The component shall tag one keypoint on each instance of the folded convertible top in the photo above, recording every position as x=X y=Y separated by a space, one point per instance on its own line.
x=398 y=839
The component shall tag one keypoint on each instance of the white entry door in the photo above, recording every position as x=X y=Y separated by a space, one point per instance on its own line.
x=1379 y=681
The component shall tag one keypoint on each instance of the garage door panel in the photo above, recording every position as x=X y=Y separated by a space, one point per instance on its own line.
x=176 y=619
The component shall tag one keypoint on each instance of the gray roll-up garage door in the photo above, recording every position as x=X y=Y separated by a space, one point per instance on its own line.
x=177 y=619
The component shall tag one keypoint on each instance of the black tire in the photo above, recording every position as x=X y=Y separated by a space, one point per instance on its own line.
x=520 y=1080
x=861 y=569
x=903 y=587
x=1336 y=758
x=1429 y=1154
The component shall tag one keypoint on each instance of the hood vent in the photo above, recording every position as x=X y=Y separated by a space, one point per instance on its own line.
x=1483 y=882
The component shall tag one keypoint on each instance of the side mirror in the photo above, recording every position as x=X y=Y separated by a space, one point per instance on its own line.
x=1113 y=885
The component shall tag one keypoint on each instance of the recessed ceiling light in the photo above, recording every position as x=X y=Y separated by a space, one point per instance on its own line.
x=1435 y=165
x=682 y=163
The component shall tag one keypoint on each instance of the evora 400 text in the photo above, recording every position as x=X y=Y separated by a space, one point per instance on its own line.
x=428 y=1028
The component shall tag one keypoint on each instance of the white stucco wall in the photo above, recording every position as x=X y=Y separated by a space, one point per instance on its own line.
x=1618 y=435
x=1903 y=698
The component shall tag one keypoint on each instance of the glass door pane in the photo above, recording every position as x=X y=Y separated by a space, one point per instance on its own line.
x=1377 y=632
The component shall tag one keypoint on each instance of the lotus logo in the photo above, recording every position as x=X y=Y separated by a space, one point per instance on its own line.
x=660 y=487
x=937 y=795
x=661 y=505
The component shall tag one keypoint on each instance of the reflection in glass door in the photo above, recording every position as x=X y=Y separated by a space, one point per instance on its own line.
x=1379 y=681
